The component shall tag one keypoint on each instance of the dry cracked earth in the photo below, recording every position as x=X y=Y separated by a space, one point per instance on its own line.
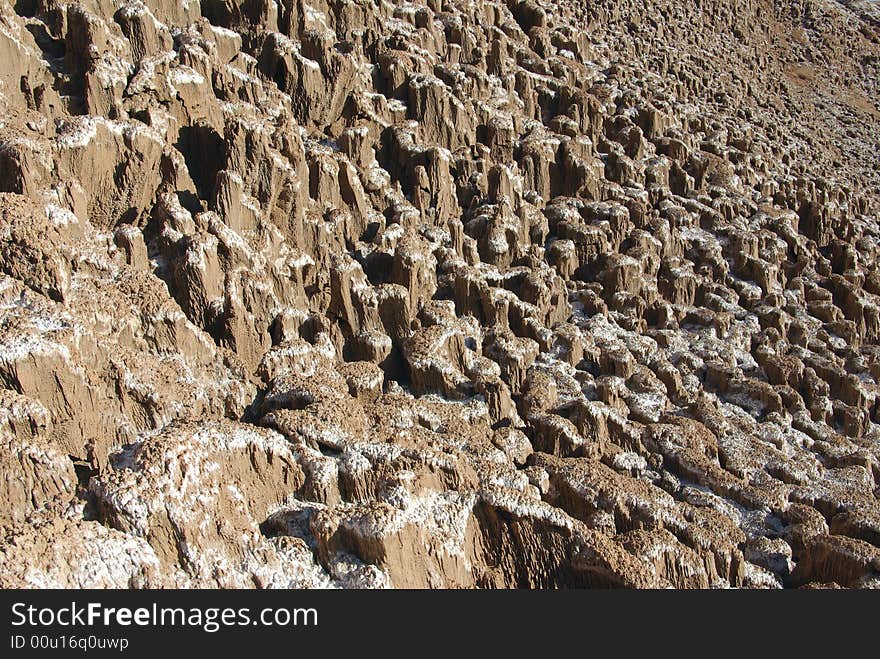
x=454 y=293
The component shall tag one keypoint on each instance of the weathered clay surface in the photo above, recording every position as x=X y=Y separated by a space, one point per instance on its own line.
x=446 y=293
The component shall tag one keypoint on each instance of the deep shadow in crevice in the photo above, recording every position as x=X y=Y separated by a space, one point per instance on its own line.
x=53 y=49
x=26 y=8
x=205 y=155
x=84 y=472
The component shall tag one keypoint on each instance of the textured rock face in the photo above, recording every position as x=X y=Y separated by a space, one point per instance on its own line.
x=486 y=293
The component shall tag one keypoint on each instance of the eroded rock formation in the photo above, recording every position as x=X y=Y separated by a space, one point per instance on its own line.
x=448 y=293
